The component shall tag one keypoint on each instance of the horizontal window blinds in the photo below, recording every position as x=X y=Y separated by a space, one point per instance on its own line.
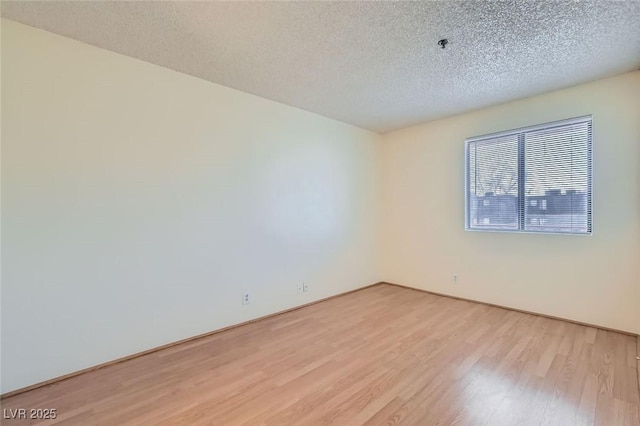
x=534 y=180
x=493 y=180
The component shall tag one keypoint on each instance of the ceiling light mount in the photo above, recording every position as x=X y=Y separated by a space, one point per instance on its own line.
x=443 y=43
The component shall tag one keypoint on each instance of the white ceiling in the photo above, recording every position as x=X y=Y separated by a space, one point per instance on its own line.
x=376 y=65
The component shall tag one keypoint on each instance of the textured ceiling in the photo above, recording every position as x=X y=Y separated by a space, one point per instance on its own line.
x=376 y=65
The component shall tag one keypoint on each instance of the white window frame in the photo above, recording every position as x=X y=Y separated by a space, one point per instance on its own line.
x=518 y=131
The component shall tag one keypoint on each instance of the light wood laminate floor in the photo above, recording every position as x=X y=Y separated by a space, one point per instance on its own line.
x=382 y=355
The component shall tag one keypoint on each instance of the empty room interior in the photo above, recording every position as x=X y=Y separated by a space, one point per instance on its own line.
x=320 y=213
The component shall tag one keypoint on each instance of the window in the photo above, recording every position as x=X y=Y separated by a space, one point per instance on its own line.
x=536 y=179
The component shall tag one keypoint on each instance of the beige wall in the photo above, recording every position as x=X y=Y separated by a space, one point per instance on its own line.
x=139 y=203
x=592 y=279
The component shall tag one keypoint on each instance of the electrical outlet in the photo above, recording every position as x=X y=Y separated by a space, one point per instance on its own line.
x=455 y=278
x=300 y=287
x=246 y=298
x=305 y=287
